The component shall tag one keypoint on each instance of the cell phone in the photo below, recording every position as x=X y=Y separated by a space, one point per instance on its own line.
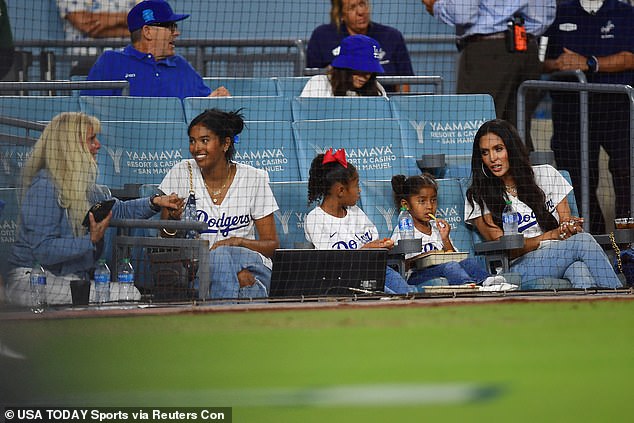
x=100 y=210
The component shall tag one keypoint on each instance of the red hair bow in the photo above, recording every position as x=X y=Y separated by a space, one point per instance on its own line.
x=338 y=156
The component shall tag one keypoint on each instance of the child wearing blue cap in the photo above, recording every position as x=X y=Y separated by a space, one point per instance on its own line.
x=352 y=73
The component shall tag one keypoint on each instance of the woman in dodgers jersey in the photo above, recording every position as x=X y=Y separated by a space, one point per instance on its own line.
x=234 y=199
x=338 y=223
x=554 y=242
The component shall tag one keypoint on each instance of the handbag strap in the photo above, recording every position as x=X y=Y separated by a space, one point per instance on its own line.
x=617 y=250
x=191 y=178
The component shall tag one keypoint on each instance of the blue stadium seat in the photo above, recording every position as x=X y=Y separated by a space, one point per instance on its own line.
x=269 y=145
x=253 y=107
x=133 y=109
x=291 y=86
x=12 y=159
x=8 y=225
x=442 y=124
x=251 y=19
x=35 y=20
x=39 y=109
x=377 y=202
x=316 y=108
x=74 y=78
x=239 y=87
x=373 y=145
x=572 y=201
x=292 y=199
x=140 y=152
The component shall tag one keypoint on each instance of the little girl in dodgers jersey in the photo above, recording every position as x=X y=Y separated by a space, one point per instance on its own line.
x=338 y=223
x=419 y=194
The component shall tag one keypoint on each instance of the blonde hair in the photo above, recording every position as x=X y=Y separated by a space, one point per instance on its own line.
x=62 y=150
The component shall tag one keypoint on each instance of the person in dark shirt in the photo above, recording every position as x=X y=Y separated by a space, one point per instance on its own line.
x=352 y=17
x=596 y=37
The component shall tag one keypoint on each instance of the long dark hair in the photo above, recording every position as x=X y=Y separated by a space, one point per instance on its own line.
x=322 y=177
x=489 y=190
x=341 y=82
x=404 y=188
x=223 y=124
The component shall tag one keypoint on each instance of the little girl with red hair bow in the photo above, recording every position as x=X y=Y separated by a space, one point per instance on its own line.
x=338 y=223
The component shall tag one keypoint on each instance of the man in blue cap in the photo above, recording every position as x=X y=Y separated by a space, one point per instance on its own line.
x=150 y=63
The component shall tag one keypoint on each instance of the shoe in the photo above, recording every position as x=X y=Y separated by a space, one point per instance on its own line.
x=494 y=280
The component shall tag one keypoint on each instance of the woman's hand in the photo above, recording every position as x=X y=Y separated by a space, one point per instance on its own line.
x=233 y=241
x=569 y=227
x=380 y=243
x=172 y=204
x=98 y=229
x=245 y=278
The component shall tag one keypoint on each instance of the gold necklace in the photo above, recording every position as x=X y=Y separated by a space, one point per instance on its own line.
x=511 y=189
x=213 y=193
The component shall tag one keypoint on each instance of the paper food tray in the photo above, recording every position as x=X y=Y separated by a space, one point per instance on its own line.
x=432 y=259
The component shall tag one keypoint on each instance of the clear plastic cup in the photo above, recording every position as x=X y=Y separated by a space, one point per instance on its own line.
x=621 y=223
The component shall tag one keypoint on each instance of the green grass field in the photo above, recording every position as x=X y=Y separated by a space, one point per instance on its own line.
x=526 y=361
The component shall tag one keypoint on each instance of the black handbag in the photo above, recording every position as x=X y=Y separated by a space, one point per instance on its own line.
x=100 y=210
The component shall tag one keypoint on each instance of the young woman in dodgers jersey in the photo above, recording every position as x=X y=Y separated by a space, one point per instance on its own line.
x=554 y=242
x=234 y=199
x=338 y=223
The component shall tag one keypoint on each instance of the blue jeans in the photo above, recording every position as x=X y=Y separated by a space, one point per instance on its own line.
x=579 y=259
x=457 y=273
x=395 y=284
x=226 y=262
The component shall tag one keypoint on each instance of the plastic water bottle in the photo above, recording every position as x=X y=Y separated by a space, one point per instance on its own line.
x=102 y=282
x=189 y=215
x=509 y=219
x=125 y=277
x=38 y=289
x=405 y=224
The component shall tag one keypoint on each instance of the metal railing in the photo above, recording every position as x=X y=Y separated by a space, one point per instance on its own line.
x=583 y=88
x=199 y=51
x=295 y=51
x=52 y=86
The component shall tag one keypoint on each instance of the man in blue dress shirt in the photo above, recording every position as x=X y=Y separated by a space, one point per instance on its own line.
x=486 y=64
x=596 y=37
x=150 y=63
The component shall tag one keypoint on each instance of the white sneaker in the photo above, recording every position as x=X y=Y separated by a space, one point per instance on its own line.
x=494 y=280
x=501 y=287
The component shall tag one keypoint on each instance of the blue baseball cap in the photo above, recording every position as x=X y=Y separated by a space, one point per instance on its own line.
x=150 y=12
x=359 y=53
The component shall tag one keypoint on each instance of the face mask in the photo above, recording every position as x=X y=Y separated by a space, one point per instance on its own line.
x=591 y=6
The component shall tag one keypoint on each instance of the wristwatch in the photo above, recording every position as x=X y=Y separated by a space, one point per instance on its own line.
x=593 y=64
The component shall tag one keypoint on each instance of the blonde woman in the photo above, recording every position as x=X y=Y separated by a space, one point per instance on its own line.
x=58 y=190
